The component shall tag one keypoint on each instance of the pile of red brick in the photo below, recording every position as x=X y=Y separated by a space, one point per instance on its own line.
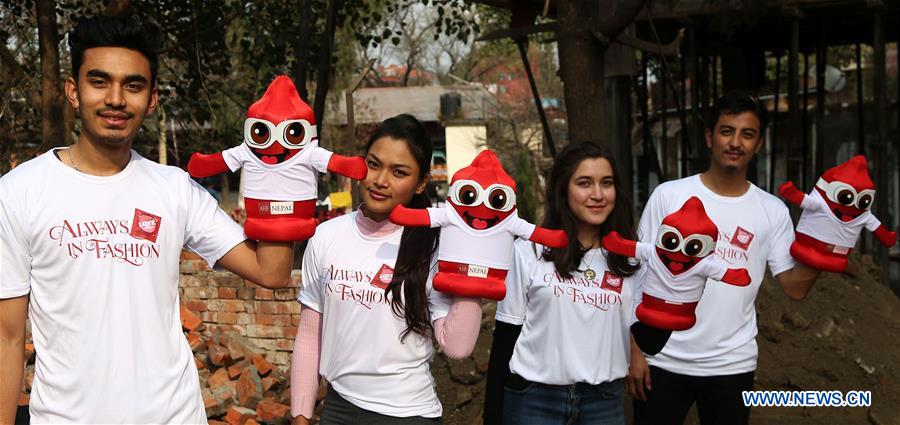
x=239 y=385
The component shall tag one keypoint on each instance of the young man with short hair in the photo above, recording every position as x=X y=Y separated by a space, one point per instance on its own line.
x=714 y=361
x=90 y=240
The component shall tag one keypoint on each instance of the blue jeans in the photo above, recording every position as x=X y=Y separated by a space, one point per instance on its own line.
x=540 y=404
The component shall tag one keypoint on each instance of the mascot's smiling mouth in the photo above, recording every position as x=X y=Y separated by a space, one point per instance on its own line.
x=674 y=266
x=843 y=216
x=273 y=159
x=480 y=223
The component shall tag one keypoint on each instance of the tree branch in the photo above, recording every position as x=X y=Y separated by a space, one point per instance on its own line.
x=671 y=49
x=612 y=22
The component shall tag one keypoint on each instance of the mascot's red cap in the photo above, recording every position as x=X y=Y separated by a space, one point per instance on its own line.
x=691 y=219
x=486 y=170
x=854 y=172
x=281 y=102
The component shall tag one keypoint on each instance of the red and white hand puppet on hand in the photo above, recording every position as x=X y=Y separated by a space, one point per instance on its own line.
x=834 y=213
x=280 y=157
x=478 y=227
x=677 y=266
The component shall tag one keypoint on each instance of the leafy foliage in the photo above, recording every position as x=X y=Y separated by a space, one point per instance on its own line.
x=216 y=60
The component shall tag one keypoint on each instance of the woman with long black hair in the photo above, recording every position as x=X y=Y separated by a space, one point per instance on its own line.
x=368 y=311
x=562 y=345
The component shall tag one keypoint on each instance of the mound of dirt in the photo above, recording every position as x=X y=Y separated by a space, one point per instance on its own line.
x=842 y=337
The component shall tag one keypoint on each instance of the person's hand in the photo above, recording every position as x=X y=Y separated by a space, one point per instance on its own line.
x=638 y=376
x=299 y=420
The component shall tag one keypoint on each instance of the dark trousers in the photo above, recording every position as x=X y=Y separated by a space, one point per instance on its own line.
x=718 y=399
x=532 y=403
x=339 y=411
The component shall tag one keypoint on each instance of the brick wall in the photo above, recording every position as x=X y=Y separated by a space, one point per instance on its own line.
x=268 y=318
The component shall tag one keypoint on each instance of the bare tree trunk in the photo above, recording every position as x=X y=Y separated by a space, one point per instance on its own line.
x=581 y=69
x=163 y=150
x=581 y=55
x=324 y=67
x=53 y=128
x=301 y=51
x=409 y=67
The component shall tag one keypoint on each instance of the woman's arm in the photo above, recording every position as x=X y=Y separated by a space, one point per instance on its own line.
x=305 y=365
x=457 y=332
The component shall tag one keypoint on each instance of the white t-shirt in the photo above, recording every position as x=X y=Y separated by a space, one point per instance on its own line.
x=362 y=355
x=755 y=229
x=490 y=247
x=687 y=287
x=820 y=223
x=99 y=257
x=292 y=180
x=573 y=329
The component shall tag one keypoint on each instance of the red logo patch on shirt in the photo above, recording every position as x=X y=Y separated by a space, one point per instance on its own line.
x=383 y=278
x=742 y=238
x=145 y=225
x=611 y=282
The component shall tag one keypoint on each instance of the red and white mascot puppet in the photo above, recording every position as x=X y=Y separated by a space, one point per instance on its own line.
x=675 y=272
x=478 y=226
x=281 y=158
x=834 y=213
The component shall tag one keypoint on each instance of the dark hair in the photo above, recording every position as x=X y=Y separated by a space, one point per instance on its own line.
x=417 y=244
x=557 y=214
x=115 y=31
x=736 y=102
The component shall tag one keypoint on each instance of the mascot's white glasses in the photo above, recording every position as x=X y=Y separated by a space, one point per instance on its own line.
x=844 y=194
x=670 y=239
x=469 y=193
x=292 y=134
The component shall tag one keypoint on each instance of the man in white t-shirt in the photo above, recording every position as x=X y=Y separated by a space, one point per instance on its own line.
x=90 y=240
x=715 y=360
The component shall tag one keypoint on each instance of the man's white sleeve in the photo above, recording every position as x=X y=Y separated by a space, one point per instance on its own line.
x=209 y=231
x=15 y=255
x=779 y=252
x=654 y=212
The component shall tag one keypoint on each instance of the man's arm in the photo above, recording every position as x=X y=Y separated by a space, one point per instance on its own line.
x=797 y=282
x=268 y=264
x=12 y=354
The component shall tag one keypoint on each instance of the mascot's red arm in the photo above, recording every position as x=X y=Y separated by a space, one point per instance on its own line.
x=791 y=193
x=736 y=277
x=615 y=243
x=202 y=165
x=548 y=237
x=353 y=167
x=413 y=217
x=885 y=236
